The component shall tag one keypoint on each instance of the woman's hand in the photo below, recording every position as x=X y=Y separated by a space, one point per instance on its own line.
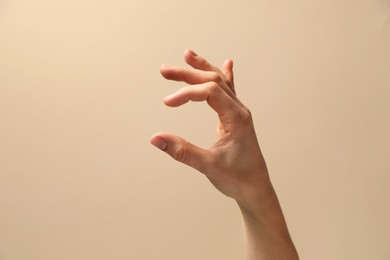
x=234 y=164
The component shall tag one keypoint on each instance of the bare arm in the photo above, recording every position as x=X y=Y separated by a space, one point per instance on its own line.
x=234 y=164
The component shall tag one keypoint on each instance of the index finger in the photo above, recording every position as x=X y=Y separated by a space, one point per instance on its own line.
x=228 y=110
x=200 y=63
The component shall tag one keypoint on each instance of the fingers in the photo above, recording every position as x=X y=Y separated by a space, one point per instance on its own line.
x=188 y=75
x=201 y=72
x=229 y=110
x=227 y=69
x=201 y=63
x=198 y=62
x=194 y=76
x=183 y=151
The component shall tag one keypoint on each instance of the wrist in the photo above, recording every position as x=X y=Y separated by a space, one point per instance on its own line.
x=258 y=197
x=266 y=229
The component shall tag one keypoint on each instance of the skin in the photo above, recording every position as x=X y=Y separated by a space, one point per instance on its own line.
x=234 y=164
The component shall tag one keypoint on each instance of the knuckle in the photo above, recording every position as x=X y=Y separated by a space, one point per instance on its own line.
x=245 y=115
x=180 y=153
x=248 y=112
x=182 y=71
x=213 y=87
x=215 y=76
x=230 y=84
x=204 y=62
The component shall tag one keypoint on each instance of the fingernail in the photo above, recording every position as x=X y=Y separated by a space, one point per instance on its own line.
x=165 y=66
x=159 y=143
x=192 y=52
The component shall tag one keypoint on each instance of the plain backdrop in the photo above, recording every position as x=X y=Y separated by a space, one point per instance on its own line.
x=81 y=94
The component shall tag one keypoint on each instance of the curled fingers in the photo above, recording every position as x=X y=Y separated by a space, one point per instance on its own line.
x=200 y=63
x=196 y=77
x=228 y=110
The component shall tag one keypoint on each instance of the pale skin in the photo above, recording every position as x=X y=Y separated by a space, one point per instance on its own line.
x=234 y=164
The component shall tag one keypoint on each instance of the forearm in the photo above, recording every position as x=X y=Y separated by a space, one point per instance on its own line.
x=266 y=233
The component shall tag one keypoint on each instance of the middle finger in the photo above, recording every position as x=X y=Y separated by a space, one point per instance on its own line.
x=194 y=76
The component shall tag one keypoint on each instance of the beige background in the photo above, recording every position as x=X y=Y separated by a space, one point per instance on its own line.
x=80 y=96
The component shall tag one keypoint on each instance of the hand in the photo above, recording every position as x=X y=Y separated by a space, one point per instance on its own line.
x=234 y=164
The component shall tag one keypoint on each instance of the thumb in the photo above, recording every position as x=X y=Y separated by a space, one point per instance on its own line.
x=182 y=150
